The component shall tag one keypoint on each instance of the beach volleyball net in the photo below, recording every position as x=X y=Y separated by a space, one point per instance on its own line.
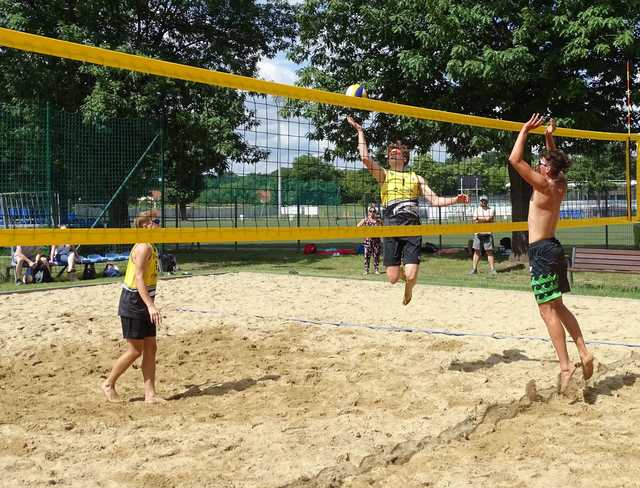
x=292 y=173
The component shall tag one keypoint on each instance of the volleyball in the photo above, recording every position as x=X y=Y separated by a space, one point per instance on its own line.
x=356 y=90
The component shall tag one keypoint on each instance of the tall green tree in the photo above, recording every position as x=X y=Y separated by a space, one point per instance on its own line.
x=359 y=186
x=201 y=121
x=499 y=58
x=310 y=168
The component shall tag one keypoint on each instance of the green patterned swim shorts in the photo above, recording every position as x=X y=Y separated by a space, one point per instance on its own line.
x=548 y=268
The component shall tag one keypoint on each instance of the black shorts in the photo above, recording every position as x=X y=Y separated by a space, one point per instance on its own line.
x=548 y=268
x=399 y=250
x=137 y=328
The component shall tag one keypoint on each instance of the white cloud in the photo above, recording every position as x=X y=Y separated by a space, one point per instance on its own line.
x=278 y=70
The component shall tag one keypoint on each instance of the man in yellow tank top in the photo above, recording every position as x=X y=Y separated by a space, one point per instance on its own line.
x=139 y=314
x=399 y=193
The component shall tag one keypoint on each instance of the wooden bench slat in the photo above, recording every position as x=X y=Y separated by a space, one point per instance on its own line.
x=613 y=262
x=596 y=270
x=605 y=266
x=630 y=257
x=587 y=250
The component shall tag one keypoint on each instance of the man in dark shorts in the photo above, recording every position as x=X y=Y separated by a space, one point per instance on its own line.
x=399 y=193
x=546 y=256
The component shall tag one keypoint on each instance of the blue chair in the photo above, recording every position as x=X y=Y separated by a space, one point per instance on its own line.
x=114 y=256
x=71 y=218
x=93 y=259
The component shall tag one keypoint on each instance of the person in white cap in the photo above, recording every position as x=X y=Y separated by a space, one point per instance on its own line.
x=484 y=214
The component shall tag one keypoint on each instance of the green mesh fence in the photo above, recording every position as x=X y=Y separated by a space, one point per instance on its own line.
x=60 y=169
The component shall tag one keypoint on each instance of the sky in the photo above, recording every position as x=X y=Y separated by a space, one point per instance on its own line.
x=285 y=139
x=278 y=69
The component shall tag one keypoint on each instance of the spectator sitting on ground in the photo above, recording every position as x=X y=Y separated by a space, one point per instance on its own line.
x=65 y=254
x=483 y=215
x=30 y=256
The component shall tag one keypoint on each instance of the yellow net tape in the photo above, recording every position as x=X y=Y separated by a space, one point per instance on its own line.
x=32 y=237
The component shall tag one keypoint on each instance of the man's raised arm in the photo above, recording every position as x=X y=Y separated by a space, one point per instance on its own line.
x=548 y=135
x=516 y=158
x=374 y=168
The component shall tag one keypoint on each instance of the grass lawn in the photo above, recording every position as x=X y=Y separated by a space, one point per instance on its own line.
x=448 y=270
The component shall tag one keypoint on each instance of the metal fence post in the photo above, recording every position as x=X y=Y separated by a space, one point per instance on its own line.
x=49 y=162
x=235 y=215
x=440 y=222
x=163 y=186
x=298 y=213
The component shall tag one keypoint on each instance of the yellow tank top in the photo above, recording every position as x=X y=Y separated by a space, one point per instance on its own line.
x=150 y=271
x=399 y=186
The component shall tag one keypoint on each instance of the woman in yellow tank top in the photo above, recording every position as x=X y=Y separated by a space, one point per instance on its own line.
x=399 y=194
x=139 y=314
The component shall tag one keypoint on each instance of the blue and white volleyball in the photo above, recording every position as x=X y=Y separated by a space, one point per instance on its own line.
x=356 y=90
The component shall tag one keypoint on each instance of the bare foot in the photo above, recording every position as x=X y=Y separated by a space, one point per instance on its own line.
x=565 y=378
x=587 y=366
x=110 y=392
x=154 y=399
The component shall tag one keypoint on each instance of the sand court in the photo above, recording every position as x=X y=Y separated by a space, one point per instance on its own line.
x=266 y=391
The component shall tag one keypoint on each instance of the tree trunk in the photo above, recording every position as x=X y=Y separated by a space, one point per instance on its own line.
x=183 y=210
x=119 y=212
x=520 y=195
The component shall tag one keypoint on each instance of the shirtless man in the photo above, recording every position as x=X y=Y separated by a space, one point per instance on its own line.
x=546 y=256
x=399 y=193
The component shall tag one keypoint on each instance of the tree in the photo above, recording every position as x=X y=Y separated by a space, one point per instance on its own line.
x=500 y=59
x=358 y=187
x=310 y=168
x=201 y=121
x=311 y=181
